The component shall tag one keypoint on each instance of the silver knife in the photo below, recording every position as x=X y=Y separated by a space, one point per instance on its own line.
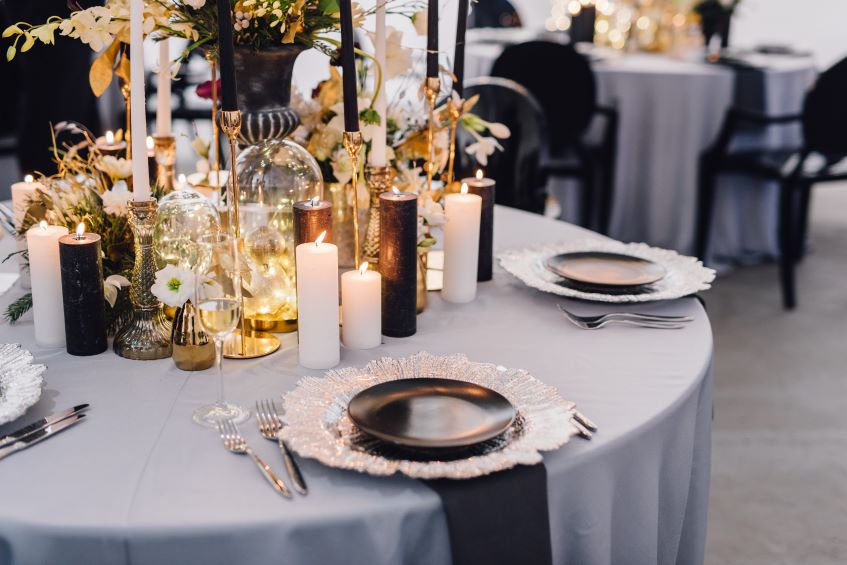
x=40 y=424
x=292 y=468
x=583 y=419
x=44 y=433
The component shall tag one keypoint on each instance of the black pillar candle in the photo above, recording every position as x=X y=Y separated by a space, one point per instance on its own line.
x=82 y=293
x=226 y=61
x=398 y=262
x=484 y=188
x=311 y=217
x=432 y=39
x=459 y=54
x=348 y=68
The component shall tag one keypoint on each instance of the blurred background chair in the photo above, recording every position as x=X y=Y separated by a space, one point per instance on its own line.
x=562 y=81
x=520 y=183
x=797 y=169
x=493 y=14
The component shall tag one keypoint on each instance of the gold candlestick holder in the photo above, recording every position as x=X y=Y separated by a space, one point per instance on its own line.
x=454 y=111
x=147 y=335
x=242 y=343
x=353 y=142
x=432 y=86
x=378 y=180
x=164 y=152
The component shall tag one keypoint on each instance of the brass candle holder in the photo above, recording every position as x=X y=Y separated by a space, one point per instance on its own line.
x=378 y=180
x=242 y=343
x=164 y=152
x=454 y=111
x=432 y=86
x=147 y=335
x=353 y=142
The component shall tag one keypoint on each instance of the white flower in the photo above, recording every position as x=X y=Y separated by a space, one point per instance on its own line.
x=196 y=4
x=116 y=200
x=342 y=169
x=398 y=59
x=93 y=27
x=482 y=148
x=111 y=286
x=174 y=285
x=431 y=211
x=202 y=166
x=115 y=167
x=498 y=130
x=420 y=20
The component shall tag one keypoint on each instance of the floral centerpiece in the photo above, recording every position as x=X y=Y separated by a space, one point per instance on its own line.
x=91 y=188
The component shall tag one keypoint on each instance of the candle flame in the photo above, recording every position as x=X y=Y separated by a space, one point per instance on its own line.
x=314 y=201
x=43 y=225
x=363 y=268
x=320 y=238
x=80 y=230
x=29 y=178
x=464 y=188
x=150 y=143
x=479 y=174
x=394 y=190
x=110 y=137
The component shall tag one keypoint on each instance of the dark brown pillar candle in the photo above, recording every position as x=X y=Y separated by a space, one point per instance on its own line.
x=82 y=293
x=398 y=262
x=311 y=217
x=484 y=187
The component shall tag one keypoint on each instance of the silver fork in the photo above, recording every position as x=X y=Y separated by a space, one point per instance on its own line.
x=626 y=315
x=233 y=441
x=653 y=324
x=270 y=425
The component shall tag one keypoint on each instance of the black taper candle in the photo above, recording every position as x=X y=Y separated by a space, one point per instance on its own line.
x=82 y=294
x=226 y=60
x=484 y=188
x=432 y=39
x=348 y=67
x=398 y=262
x=311 y=217
x=459 y=54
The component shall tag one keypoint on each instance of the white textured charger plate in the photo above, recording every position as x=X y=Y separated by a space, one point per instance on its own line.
x=685 y=275
x=318 y=426
x=20 y=381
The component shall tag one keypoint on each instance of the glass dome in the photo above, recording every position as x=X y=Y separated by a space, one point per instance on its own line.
x=184 y=216
x=272 y=176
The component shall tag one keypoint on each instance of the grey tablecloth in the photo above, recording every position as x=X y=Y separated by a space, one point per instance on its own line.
x=139 y=483
x=670 y=111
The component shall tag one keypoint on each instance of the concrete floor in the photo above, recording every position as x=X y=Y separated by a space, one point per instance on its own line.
x=779 y=471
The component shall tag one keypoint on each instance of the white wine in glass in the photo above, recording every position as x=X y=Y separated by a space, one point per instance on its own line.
x=218 y=300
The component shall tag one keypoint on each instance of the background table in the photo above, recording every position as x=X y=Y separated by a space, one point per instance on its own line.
x=671 y=110
x=139 y=483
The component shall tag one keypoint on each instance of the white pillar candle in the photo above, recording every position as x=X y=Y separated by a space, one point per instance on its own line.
x=22 y=194
x=317 y=304
x=47 y=310
x=377 y=157
x=163 y=92
x=138 y=116
x=461 y=245
x=361 y=308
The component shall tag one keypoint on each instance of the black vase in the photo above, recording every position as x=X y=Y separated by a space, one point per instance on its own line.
x=717 y=24
x=264 y=92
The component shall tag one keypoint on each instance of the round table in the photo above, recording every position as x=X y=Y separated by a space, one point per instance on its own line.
x=139 y=483
x=670 y=111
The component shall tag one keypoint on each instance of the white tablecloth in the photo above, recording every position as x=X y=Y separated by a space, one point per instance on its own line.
x=139 y=483
x=670 y=111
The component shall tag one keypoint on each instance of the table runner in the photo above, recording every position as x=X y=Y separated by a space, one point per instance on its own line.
x=498 y=519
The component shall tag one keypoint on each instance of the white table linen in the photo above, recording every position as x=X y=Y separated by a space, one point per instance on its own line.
x=139 y=483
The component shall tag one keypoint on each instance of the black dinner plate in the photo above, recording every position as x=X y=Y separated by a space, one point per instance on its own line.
x=596 y=269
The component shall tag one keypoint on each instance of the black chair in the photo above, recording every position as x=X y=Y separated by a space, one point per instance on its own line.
x=824 y=121
x=493 y=13
x=516 y=168
x=562 y=81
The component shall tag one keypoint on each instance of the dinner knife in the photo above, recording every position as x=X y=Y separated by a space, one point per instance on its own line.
x=41 y=424
x=41 y=434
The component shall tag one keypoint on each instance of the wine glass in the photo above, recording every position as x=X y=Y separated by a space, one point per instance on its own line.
x=218 y=302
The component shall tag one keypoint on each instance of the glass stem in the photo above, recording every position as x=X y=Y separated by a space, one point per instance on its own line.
x=219 y=360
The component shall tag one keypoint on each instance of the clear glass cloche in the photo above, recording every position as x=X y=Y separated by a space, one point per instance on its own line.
x=184 y=216
x=272 y=176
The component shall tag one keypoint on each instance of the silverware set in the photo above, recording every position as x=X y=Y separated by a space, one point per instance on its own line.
x=584 y=426
x=40 y=430
x=270 y=425
x=652 y=321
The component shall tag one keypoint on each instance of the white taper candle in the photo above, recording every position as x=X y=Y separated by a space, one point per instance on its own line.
x=378 y=157
x=138 y=104
x=163 y=92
